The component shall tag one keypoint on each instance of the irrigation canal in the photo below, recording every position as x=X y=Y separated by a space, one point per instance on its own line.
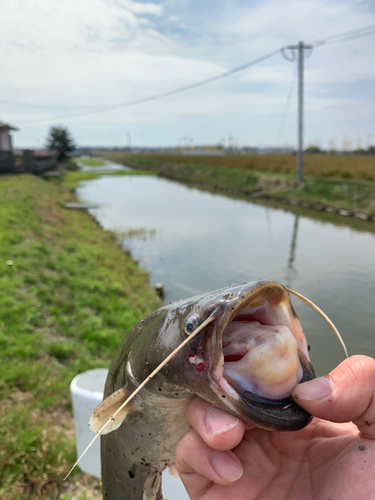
x=195 y=241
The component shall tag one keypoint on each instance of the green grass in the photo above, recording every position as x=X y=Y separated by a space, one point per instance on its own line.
x=94 y=162
x=350 y=194
x=343 y=191
x=68 y=294
x=73 y=179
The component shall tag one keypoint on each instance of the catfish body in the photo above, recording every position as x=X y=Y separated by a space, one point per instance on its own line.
x=246 y=361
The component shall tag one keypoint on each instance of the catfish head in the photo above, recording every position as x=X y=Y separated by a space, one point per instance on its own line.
x=246 y=361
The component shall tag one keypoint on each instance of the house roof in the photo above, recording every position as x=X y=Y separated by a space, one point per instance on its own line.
x=7 y=126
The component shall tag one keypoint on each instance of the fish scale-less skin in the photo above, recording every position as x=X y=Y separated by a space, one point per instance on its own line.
x=144 y=444
x=148 y=441
x=128 y=452
x=127 y=448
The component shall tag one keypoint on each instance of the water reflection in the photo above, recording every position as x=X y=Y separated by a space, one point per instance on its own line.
x=291 y=270
x=204 y=241
x=106 y=166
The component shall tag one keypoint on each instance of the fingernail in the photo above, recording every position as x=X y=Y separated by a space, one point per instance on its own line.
x=227 y=466
x=313 y=390
x=218 y=421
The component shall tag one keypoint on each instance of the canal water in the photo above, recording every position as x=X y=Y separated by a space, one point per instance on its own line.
x=195 y=241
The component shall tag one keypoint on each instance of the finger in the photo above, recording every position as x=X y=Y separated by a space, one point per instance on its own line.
x=346 y=394
x=199 y=465
x=218 y=429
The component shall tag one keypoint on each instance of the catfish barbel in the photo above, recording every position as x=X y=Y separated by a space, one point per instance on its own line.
x=246 y=361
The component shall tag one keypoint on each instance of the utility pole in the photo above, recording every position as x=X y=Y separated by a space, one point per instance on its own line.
x=129 y=140
x=300 y=47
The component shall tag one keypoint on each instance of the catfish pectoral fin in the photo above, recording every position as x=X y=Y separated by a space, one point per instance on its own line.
x=104 y=411
x=152 y=486
x=173 y=471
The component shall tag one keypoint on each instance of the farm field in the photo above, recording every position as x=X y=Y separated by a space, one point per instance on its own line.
x=272 y=175
x=317 y=165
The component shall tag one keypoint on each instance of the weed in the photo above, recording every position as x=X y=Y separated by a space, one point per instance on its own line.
x=94 y=162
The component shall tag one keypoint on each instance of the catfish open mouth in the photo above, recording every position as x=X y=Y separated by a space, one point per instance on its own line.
x=264 y=356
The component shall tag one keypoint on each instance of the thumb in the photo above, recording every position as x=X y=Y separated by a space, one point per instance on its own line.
x=346 y=394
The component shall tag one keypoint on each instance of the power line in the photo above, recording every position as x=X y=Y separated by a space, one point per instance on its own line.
x=353 y=37
x=345 y=36
x=287 y=105
x=90 y=110
x=45 y=106
x=177 y=90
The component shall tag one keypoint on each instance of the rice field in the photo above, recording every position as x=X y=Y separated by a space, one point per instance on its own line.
x=318 y=165
x=341 y=181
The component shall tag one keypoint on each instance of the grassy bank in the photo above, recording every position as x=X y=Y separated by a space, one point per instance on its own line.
x=93 y=162
x=342 y=192
x=318 y=165
x=73 y=179
x=68 y=293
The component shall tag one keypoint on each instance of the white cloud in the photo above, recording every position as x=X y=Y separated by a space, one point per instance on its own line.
x=53 y=25
x=93 y=52
x=142 y=8
x=174 y=19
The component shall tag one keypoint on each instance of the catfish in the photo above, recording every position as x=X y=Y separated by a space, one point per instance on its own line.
x=249 y=355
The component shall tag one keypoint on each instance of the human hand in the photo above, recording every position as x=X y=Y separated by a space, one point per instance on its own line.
x=221 y=459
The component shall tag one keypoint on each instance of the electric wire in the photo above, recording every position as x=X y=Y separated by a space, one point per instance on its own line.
x=90 y=110
x=347 y=35
x=287 y=105
x=102 y=109
x=353 y=37
x=45 y=106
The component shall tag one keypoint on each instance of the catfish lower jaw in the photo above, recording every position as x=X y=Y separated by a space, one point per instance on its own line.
x=274 y=414
x=281 y=414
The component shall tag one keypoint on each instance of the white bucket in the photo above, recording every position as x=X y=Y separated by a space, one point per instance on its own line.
x=87 y=392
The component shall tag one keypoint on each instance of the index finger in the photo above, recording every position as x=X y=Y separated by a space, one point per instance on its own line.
x=220 y=430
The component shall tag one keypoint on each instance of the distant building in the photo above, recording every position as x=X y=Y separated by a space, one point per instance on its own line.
x=36 y=162
x=203 y=152
x=5 y=137
x=249 y=151
x=276 y=150
x=7 y=163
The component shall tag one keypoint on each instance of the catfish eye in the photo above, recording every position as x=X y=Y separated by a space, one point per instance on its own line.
x=191 y=324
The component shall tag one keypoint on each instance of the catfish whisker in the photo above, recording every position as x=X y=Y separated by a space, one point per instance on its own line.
x=211 y=318
x=322 y=314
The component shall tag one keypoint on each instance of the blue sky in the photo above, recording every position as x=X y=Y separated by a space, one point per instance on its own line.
x=63 y=57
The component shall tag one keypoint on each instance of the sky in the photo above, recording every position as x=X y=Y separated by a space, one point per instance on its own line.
x=63 y=58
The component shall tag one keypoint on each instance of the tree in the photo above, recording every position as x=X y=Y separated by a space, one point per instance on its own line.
x=60 y=140
x=313 y=150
